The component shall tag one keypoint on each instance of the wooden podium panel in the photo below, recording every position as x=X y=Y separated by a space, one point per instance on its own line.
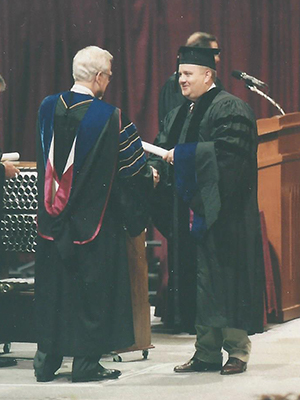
x=279 y=199
x=138 y=271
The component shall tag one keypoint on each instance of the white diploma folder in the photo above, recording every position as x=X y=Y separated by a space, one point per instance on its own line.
x=10 y=156
x=151 y=148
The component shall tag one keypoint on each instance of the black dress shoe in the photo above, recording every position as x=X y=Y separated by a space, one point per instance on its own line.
x=233 y=366
x=195 y=365
x=45 y=378
x=7 y=362
x=101 y=374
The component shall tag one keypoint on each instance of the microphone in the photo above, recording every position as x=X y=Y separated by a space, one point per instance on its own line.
x=250 y=80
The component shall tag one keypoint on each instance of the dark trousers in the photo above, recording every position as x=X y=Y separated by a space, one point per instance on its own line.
x=46 y=365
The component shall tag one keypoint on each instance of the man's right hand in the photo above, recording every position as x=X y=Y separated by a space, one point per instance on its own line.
x=169 y=156
x=156 y=176
x=10 y=170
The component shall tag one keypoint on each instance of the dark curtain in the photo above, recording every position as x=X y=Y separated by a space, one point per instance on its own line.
x=40 y=37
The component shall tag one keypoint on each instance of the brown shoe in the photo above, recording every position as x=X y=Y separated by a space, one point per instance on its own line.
x=195 y=365
x=233 y=366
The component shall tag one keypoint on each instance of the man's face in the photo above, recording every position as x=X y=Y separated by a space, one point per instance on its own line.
x=194 y=80
x=103 y=79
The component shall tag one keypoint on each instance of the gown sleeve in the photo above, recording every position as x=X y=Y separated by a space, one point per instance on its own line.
x=135 y=179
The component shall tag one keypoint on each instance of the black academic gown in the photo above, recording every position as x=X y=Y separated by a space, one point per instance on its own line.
x=227 y=255
x=83 y=299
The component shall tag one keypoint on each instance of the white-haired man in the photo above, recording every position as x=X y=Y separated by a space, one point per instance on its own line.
x=90 y=164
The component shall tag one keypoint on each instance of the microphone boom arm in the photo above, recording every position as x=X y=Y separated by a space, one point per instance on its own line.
x=254 y=89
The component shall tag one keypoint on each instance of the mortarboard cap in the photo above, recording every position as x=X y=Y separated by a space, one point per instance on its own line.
x=204 y=56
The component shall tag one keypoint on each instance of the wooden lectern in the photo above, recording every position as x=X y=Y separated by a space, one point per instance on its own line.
x=279 y=199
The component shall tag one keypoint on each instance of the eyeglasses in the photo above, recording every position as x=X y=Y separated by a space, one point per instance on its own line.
x=109 y=75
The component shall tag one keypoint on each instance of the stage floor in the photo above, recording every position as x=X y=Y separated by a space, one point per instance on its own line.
x=274 y=368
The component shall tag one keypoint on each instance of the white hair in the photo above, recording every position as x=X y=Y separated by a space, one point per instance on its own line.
x=89 y=61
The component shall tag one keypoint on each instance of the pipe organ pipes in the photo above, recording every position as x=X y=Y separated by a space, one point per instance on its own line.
x=20 y=204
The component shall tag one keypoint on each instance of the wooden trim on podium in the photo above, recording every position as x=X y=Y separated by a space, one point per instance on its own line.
x=289 y=313
x=278 y=123
x=279 y=198
x=25 y=164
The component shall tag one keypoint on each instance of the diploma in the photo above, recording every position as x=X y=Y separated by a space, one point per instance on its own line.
x=10 y=156
x=151 y=148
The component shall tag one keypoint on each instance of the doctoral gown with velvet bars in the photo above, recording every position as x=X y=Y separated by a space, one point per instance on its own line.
x=211 y=218
x=87 y=153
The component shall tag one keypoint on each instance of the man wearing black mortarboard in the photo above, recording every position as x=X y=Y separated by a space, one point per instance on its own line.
x=211 y=166
x=170 y=95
